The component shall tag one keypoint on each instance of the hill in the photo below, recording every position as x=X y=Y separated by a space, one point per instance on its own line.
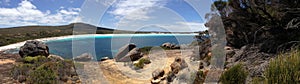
x=18 y=34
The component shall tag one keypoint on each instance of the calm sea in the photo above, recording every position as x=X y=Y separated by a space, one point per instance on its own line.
x=108 y=45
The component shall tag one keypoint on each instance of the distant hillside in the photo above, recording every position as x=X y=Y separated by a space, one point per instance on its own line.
x=23 y=33
x=18 y=34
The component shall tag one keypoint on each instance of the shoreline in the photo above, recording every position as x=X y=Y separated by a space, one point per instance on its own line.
x=19 y=44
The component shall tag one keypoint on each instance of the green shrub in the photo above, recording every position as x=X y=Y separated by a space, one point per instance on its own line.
x=139 y=64
x=146 y=49
x=234 y=75
x=284 y=69
x=142 y=62
x=145 y=60
x=258 y=80
x=21 y=69
x=36 y=59
x=42 y=76
x=40 y=70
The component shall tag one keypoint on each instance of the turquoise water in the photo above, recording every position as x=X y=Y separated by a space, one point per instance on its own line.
x=108 y=45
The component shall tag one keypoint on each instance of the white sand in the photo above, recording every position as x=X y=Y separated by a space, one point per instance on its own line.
x=18 y=45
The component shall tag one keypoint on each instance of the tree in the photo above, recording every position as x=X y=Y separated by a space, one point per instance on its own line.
x=273 y=25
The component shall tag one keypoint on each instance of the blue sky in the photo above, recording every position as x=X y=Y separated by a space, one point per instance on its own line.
x=152 y=15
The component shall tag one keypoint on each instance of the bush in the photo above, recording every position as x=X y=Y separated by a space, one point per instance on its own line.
x=21 y=69
x=284 y=69
x=146 y=49
x=40 y=70
x=42 y=76
x=139 y=65
x=36 y=59
x=145 y=60
x=142 y=62
x=234 y=75
x=258 y=80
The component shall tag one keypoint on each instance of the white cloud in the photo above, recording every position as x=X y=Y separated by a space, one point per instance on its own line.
x=134 y=9
x=161 y=19
x=183 y=26
x=106 y=2
x=27 y=14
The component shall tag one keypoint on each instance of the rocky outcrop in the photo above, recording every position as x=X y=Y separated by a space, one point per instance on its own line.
x=84 y=57
x=55 y=58
x=175 y=67
x=158 y=76
x=34 y=48
x=251 y=56
x=124 y=51
x=170 y=46
x=158 y=73
x=133 y=55
x=178 y=64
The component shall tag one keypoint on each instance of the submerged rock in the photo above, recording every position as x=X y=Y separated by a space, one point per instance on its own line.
x=84 y=57
x=34 y=48
x=55 y=58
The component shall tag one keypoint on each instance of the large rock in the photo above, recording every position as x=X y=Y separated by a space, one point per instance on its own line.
x=171 y=76
x=158 y=73
x=170 y=45
x=84 y=57
x=55 y=58
x=178 y=64
x=175 y=67
x=124 y=51
x=133 y=55
x=34 y=48
x=182 y=62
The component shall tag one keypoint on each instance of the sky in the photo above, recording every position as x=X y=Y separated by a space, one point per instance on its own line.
x=134 y=15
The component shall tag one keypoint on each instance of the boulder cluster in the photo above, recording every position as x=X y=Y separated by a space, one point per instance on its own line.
x=159 y=75
x=170 y=45
x=128 y=53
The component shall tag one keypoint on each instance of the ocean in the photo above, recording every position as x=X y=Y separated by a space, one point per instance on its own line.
x=108 y=45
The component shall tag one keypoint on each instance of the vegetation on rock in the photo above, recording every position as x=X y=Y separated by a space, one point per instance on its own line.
x=273 y=24
x=234 y=75
x=42 y=70
x=142 y=62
